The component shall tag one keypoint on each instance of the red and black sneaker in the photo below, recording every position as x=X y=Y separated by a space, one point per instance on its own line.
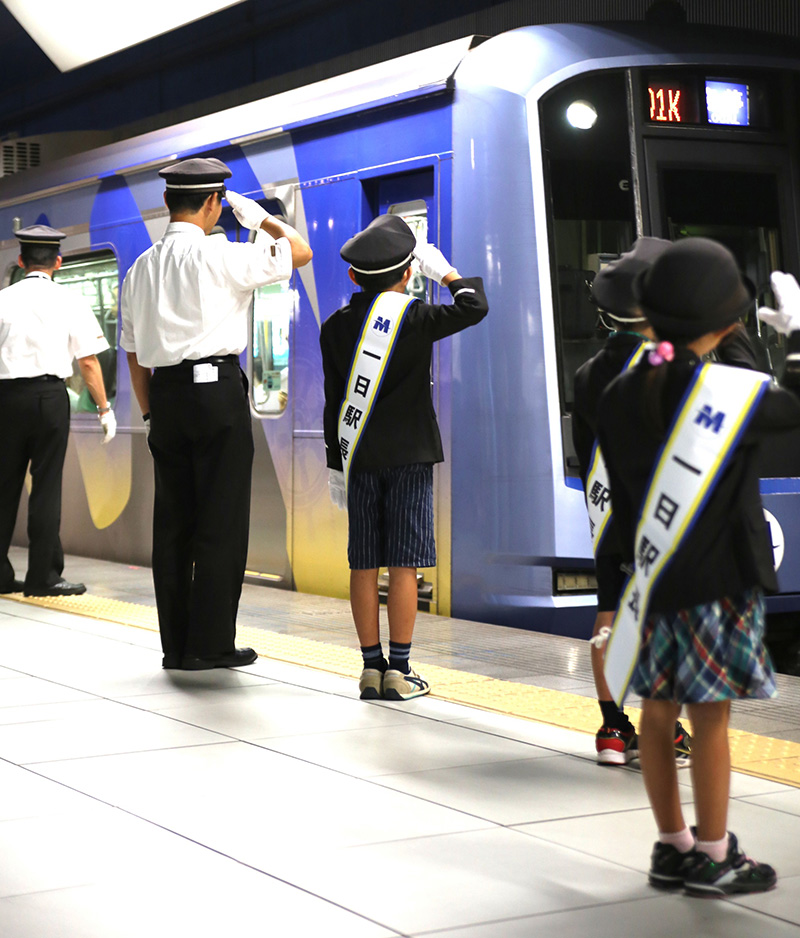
x=616 y=747
x=683 y=746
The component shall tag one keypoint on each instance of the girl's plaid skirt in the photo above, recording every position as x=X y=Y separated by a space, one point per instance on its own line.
x=707 y=653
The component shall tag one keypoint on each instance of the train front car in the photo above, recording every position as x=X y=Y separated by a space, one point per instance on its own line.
x=570 y=141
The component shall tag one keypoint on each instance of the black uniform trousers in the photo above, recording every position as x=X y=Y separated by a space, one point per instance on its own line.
x=34 y=428
x=202 y=444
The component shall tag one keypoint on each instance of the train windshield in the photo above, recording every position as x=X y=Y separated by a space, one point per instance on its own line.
x=588 y=173
x=95 y=280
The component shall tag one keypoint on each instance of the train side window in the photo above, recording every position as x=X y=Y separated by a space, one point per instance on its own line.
x=588 y=177
x=95 y=280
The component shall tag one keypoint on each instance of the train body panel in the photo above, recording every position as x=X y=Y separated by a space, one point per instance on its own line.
x=470 y=146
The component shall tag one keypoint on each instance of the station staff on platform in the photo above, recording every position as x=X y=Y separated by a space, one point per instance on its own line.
x=184 y=306
x=43 y=327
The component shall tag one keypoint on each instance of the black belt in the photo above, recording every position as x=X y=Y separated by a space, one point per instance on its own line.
x=211 y=360
x=16 y=382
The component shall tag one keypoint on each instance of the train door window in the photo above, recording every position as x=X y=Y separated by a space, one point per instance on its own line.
x=699 y=203
x=588 y=177
x=415 y=215
x=274 y=309
x=95 y=280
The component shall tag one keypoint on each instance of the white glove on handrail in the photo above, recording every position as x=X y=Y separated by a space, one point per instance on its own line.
x=248 y=212
x=786 y=318
x=336 y=488
x=432 y=263
x=109 y=424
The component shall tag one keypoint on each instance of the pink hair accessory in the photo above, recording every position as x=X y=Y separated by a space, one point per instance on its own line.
x=663 y=352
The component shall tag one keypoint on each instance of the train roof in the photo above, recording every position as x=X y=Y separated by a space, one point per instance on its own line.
x=540 y=57
x=414 y=75
x=518 y=61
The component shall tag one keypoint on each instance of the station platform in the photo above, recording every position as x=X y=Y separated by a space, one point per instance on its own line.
x=271 y=800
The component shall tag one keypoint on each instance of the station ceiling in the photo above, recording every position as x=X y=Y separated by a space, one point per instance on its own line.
x=260 y=47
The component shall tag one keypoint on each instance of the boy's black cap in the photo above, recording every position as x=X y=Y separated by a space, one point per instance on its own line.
x=386 y=244
x=39 y=234
x=196 y=175
x=612 y=287
x=693 y=288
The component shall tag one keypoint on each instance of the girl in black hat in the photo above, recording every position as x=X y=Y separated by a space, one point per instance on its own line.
x=702 y=638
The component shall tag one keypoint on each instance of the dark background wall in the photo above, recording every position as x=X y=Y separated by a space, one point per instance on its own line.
x=261 y=47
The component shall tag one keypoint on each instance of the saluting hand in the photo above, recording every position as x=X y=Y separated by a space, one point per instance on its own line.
x=432 y=263
x=248 y=212
x=786 y=318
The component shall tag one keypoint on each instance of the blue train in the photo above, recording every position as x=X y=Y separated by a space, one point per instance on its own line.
x=531 y=159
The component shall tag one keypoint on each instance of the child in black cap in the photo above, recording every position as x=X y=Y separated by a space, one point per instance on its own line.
x=702 y=613
x=381 y=434
x=612 y=289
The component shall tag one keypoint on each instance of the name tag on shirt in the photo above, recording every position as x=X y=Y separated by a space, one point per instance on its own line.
x=205 y=373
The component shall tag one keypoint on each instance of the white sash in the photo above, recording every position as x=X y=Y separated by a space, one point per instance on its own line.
x=371 y=357
x=598 y=491
x=691 y=461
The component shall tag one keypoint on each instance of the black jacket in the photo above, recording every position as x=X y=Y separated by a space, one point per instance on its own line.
x=595 y=375
x=591 y=380
x=728 y=550
x=402 y=428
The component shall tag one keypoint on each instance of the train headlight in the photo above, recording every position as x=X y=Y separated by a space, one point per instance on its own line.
x=581 y=115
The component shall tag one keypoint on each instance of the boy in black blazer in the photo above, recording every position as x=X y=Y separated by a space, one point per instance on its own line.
x=384 y=477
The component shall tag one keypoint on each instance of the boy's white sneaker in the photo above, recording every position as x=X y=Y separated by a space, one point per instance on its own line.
x=399 y=686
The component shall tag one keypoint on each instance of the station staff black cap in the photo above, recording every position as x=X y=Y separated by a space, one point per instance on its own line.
x=196 y=175
x=693 y=288
x=612 y=287
x=386 y=244
x=39 y=234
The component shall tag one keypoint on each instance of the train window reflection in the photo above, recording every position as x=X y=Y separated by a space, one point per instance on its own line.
x=95 y=280
x=274 y=307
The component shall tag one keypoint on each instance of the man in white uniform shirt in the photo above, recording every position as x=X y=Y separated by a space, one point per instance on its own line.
x=42 y=328
x=185 y=304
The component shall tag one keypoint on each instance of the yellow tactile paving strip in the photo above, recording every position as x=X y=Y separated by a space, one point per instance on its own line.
x=762 y=756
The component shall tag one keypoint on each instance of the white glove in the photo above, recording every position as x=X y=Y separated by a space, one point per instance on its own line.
x=147 y=426
x=336 y=488
x=432 y=262
x=109 y=424
x=786 y=318
x=248 y=212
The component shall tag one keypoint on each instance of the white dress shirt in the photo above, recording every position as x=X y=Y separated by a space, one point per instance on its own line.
x=43 y=326
x=189 y=295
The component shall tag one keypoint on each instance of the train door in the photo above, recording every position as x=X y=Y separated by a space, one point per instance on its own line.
x=741 y=194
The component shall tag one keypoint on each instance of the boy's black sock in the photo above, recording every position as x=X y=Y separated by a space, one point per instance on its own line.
x=373 y=657
x=398 y=656
x=614 y=717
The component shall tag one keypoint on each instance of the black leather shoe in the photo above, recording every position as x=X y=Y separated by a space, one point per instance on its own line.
x=172 y=661
x=237 y=658
x=15 y=586
x=62 y=588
